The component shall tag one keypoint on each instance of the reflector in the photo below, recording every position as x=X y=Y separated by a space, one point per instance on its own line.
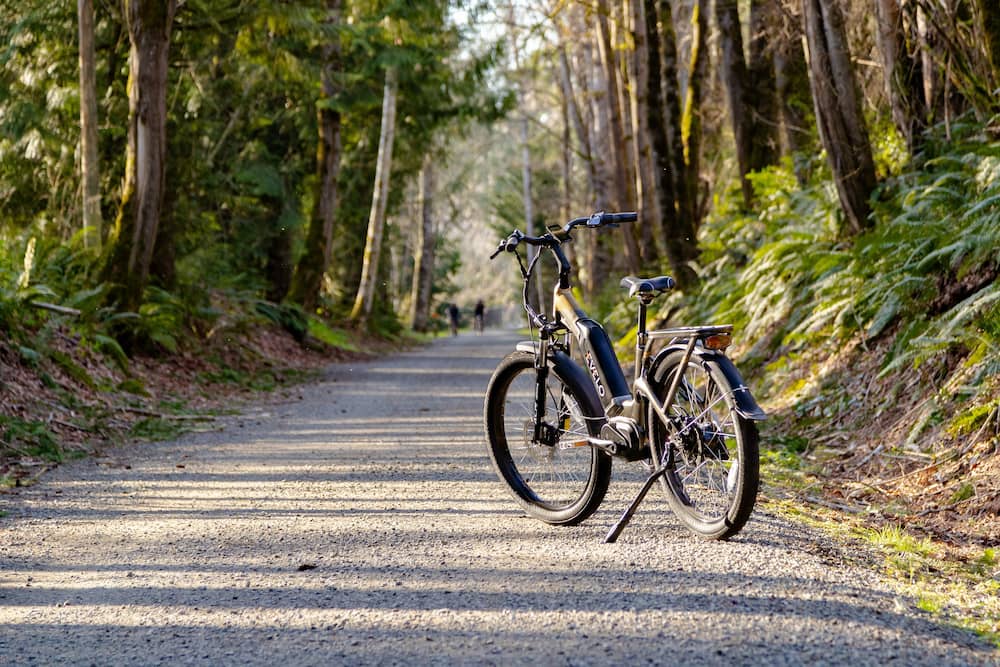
x=718 y=341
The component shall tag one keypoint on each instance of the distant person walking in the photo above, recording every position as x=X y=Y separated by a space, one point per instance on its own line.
x=453 y=318
x=480 y=320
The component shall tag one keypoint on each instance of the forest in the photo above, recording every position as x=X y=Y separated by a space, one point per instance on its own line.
x=178 y=177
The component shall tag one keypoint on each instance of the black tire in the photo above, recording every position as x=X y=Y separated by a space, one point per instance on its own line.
x=560 y=484
x=712 y=486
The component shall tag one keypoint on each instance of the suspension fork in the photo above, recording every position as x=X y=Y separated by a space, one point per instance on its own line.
x=541 y=433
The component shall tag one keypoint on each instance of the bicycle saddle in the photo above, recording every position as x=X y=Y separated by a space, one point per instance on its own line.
x=658 y=285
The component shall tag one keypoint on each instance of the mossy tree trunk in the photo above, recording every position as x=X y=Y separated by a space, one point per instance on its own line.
x=132 y=240
x=89 y=167
x=315 y=261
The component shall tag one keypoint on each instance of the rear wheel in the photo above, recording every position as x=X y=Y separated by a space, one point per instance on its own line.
x=558 y=478
x=712 y=483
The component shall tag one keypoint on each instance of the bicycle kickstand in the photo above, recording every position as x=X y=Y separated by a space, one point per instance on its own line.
x=617 y=529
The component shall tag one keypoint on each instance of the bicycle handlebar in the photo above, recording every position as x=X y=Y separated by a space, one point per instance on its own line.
x=599 y=219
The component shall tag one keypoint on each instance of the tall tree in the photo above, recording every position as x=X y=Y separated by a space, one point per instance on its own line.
x=365 y=298
x=423 y=251
x=691 y=121
x=617 y=154
x=791 y=75
x=678 y=234
x=901 y=68
x=642 y=150
x=765 y=119
x=838 y=110
x=132 y=240
x=89 y=166
x=736 y=80
x=315 y=260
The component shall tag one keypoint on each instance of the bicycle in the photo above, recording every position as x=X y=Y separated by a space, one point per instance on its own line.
x=554 y=425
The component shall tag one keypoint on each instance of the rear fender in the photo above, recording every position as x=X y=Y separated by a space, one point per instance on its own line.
x=719 y=365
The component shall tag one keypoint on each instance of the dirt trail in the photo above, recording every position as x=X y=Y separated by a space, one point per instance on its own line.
x=362 y=524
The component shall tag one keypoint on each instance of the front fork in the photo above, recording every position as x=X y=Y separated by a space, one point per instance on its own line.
x=542 y=433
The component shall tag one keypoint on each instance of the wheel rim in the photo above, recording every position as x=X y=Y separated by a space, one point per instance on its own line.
x=705 y=440
x=557 y=475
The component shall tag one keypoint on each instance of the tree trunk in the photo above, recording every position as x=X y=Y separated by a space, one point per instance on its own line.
x=680 y=245
x=736 y=80
x=134 y=234
x=616 y=134
x=691 y=123
x=765 y=119
x=376 y=220
x=838 y=110
x=313 y=264
x=566 y=161
x=989 y=12
x=423 y=252
x=585 y=266
x=576 y=116
x=616 y=153
x=791 y=78
x=672 y=119
x=643 y=157
x=932 y=78
x=278 y=263
x=901 y=71
x=89 y=166
x=163 y=266
x=529 y=205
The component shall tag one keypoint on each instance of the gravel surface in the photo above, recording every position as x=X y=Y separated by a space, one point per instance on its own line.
x=363 y=524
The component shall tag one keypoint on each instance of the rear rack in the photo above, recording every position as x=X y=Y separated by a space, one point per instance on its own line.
x=687 y=332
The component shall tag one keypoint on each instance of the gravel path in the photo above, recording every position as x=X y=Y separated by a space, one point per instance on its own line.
x=362 y=524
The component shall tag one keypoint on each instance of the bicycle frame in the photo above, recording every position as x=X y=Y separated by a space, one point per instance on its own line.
x=628 y=410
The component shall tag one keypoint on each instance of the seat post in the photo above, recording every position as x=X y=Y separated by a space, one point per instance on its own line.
x=641 y=337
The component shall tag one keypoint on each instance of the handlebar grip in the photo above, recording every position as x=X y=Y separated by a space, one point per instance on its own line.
x=617 y=218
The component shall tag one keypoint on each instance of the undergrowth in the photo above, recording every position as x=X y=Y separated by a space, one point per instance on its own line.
x=878 y=358
x=76 y=373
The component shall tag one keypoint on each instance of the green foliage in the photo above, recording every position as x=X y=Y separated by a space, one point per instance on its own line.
x=155 y=428
x=926 y=271
x=28 y=438
x=337 y=338
x=288 y=316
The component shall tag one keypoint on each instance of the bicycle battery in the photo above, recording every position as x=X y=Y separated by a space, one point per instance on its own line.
x=600 y=362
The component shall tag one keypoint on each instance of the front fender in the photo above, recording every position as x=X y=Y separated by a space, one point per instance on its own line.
x=723 y=368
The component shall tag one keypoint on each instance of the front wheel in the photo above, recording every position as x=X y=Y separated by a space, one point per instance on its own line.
x=558 y=478
x=714 y=474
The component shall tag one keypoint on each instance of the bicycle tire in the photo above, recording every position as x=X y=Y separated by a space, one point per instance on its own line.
x=559 y=484
x=712 y=485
